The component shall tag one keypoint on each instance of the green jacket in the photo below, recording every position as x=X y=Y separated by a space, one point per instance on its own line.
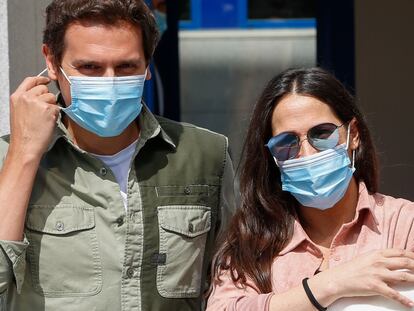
x=83 y=251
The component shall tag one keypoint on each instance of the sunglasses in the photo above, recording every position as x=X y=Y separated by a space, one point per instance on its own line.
x=286 y=145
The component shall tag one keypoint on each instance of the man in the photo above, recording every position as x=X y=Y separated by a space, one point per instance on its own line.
x=104 y=206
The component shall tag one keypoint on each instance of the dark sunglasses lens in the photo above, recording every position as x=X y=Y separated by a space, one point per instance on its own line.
x=284 y=146
x=324 y=136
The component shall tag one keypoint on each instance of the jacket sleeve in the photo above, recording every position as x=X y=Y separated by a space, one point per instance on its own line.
x=12 y=254
x=12 y=264
x=227 y=195
x=226 y=296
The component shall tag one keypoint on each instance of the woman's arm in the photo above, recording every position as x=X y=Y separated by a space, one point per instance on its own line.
x=366 y=275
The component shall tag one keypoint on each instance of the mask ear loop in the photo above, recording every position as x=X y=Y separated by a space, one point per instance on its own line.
x=353 y=159
x=277 y=162
x=41 y=74
x=67 y=78
x=347 y=145
x=347 y=137
x=43 y=71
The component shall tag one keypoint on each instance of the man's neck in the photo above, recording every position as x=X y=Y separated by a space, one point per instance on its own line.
x=92 y=143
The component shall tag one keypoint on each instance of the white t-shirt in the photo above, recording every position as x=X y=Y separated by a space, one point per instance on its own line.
x=119 y=164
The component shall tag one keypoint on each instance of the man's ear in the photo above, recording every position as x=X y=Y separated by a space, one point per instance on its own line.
x=50 y=62
x=354 y=134
x=149 y=75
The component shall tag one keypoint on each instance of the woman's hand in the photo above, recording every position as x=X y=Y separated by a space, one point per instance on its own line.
x=367 y=275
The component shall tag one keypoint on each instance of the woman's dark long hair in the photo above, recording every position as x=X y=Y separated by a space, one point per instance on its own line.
x=263 y=224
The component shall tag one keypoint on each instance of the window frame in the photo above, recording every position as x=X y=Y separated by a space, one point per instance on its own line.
x=243 y=21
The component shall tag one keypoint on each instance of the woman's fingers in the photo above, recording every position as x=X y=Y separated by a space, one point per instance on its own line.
x=398 y=277
x=394 y=259
x=393 y=252
x=396 y=263
x=373 y=273
x=388 y=292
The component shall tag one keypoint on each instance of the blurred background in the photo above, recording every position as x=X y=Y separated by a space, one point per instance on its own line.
x=215 y=57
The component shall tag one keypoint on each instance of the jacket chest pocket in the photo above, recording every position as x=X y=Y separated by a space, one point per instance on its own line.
x=183 y=231
x=63 y=251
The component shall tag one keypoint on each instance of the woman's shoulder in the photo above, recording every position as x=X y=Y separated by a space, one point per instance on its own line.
x=393 y=204
x=382 y=202
x=396 y=217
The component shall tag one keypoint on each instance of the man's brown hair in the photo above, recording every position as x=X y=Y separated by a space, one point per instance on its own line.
x=61 y=13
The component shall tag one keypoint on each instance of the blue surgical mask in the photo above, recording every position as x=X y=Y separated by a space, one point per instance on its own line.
x=105 y=106
x=319 y=180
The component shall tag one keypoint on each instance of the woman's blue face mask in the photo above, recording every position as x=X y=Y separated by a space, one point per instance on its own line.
x=319 y=180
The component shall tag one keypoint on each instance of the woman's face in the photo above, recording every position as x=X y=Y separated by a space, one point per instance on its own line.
x=298 y=113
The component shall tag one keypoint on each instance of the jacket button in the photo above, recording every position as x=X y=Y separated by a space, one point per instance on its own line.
x=59 y=226
x=120 y=221
x=190 y=228
x=130 y=273
x=187 y=190
x=103 y=171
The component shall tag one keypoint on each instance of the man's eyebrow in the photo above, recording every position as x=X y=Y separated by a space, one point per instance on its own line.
x=135 y=61
x=80 y=62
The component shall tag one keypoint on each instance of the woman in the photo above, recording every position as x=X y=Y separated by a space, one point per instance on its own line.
x=310 y=207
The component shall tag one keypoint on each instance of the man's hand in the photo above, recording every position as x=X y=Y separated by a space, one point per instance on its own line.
x=33 y=115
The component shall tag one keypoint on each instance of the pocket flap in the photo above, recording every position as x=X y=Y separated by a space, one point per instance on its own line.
x=188 y=220
x=60 y=219
x=177 y=191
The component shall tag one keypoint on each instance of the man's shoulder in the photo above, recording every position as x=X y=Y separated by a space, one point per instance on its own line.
x=182 y=130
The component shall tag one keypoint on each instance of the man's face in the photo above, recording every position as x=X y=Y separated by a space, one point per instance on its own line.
x=98 y=50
